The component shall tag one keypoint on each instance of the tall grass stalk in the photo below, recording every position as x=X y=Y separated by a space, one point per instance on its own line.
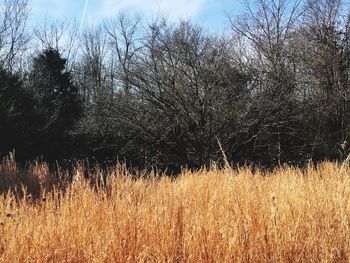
x=288 y=215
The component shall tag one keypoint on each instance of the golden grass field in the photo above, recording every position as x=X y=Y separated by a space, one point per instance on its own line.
x=289 y=215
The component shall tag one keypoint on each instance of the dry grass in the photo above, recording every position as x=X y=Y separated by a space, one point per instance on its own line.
x=287 y=215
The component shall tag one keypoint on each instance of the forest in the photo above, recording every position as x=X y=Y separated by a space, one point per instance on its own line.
x=272 y=89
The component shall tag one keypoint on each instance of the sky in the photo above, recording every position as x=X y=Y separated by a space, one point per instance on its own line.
x=209 y=13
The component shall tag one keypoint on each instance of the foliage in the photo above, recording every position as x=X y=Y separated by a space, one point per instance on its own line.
x=57 y=101
x=272 y=90
x=17 y=116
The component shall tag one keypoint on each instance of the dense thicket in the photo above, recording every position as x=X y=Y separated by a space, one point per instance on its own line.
x=273 y=89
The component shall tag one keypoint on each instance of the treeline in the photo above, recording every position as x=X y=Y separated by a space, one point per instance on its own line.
x=273 y=89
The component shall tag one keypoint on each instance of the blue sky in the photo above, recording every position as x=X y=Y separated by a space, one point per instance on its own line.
x=209 y=13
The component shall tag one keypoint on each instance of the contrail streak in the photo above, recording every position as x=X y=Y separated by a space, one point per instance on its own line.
x=84 y=12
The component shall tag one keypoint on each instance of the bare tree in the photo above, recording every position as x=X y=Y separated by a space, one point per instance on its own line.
x=268 y=30
x=13 y=35
x=61 y=35
x=324 y=59
x=124 y=40
x=94 y=56
x=180 y=84
x=268 y=26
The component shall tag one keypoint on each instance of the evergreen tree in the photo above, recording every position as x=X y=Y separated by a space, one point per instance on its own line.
x=57 y=102
x=16 y=115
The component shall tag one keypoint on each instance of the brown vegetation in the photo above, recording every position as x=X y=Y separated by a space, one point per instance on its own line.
x=208 y=216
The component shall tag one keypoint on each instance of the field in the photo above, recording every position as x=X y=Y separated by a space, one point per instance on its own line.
x=215 y=215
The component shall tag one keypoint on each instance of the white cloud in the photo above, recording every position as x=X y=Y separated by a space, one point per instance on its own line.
x=172 y=9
